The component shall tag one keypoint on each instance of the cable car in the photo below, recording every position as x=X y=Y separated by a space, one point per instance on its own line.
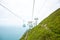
x=24 y=25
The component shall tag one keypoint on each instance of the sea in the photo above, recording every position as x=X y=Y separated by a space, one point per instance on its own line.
x=12 y=32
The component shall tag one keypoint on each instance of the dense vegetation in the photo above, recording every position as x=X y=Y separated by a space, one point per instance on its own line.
x=48 y=29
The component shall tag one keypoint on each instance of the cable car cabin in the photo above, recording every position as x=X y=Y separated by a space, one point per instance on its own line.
x=24 y=25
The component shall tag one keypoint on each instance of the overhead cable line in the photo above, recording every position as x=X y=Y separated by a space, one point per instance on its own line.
x=40 y=9
x=11 y=11
x=44 y=3
x=31 y=21
x=34 y=5
x=33 y=9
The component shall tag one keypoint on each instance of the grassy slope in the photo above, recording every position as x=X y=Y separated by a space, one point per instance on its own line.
x=48 y=29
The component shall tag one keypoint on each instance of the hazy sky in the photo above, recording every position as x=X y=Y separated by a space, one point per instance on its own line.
x=23 y=9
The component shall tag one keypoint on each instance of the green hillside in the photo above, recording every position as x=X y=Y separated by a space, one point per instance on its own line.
x=48 y=29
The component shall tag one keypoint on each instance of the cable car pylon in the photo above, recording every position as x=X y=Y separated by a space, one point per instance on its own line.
x=30 y=23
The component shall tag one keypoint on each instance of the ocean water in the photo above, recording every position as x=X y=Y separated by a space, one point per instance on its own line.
x=11 y=33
